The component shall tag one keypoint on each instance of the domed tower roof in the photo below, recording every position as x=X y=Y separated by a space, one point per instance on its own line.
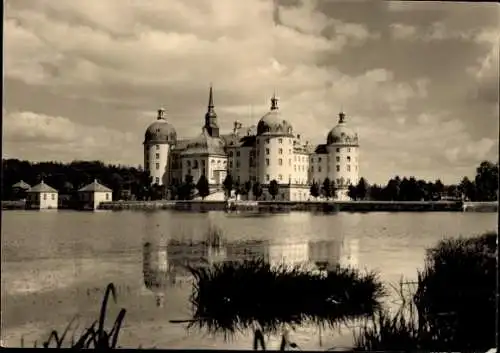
x=342 y=134
x=272 y=123
x=161 y=131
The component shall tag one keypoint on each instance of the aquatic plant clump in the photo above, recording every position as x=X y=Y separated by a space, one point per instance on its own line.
x=233 y=296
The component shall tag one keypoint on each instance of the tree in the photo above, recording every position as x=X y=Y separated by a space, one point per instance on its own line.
x=228 y=184
x=187 y=188
x=203 y=187
x=245 y=188
x=327 y=188
x=486 y=181
x=351 y=192
x=273 y=188
x=314 y=190
x=391 y=191
x=257 y=190
x=237 y=188
x=467 y=189
x=361 y=189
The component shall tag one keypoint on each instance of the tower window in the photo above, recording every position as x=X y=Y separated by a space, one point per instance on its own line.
x=338 y=168
x=157 y=166
x=157 y=180
x=267 y=161
x=280 y=161
x=157 y=147
x=280 y=141
x=157 y=156
x=267 y=140
x=267 y=150
x=348 y=168
x=338 y=149
x=338 y=158
x=280 y=177
x=294 y=168
x=349 y=149
x=267 y=177
x=280 y=151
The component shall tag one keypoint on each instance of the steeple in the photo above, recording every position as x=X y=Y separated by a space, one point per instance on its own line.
x=211 y=117
x=274 y=102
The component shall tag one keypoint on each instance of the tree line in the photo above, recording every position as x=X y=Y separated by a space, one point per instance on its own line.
x=484 y=187
x=135 y=183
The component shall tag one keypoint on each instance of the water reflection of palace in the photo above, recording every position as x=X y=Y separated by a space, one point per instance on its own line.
x=165 y=266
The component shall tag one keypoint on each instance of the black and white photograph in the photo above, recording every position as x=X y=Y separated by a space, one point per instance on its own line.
x=313 y=175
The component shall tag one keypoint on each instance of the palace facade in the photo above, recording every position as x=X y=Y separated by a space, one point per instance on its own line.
x=270 y=150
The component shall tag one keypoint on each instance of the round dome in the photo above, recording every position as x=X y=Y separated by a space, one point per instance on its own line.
x=272 y=123
x=342 y=134
x=160 y=131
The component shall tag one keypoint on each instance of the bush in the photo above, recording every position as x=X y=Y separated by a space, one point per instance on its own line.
x=233 y=296
x=453 y=307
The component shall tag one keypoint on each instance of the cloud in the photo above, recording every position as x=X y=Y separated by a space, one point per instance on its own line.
x=58 y=138
x=79 y=74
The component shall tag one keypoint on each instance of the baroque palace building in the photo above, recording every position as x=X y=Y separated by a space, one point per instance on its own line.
x=271 y=150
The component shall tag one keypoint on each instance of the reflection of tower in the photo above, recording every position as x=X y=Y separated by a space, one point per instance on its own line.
x=325 y=253
x=155 y=270
x=350 y=253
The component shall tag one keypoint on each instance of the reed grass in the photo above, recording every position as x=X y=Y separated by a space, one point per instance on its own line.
x=453 y=306
x=235 y=296
x=95 y=336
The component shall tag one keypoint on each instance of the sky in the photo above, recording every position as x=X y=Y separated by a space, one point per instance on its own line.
x=418 y=81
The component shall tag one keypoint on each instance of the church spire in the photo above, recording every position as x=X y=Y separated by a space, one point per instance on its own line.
x=211 y=117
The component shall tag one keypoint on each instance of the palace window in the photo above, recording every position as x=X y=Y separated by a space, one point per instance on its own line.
x=157 y=166
x=188 y=163
x=319 y=160
x=337 y=159
x=348 y=168
x=237 y=164
x=230 y=164
x=267 y=141
x=267 y=161
x=267 y=150
x=319 y=169
x=348 y=158
x=157 y=156
x=280 y=177
x=338 y=168
x=280 y=141
x=267 y=177
x=338 y=149
x=237 y=153
x=280 y=161
x=195 y=164
x=280 y=151
x=294 y=167
x=230 y=153
x=157 y=147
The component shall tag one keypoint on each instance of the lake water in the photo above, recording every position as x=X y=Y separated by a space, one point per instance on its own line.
x=56 y=264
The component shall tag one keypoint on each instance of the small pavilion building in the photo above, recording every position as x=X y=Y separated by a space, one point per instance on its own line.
x=42 y=196
x=93 y=194
x=20 y=189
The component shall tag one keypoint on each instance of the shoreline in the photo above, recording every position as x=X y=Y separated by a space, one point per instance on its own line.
x=289 y=206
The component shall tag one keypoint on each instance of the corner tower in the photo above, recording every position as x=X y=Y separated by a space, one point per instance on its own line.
x=159 y=139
